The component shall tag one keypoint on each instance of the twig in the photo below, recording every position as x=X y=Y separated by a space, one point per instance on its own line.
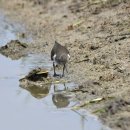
x=81 y=61
x=123 y=34
x=91 y=102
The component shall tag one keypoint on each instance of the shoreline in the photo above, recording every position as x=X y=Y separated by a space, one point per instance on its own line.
x=95 y=35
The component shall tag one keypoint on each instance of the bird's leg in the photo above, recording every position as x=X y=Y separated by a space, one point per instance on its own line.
x=55 y=70
x=54 y=88
x=65 y=88
x=66 y=68
x=63 y=70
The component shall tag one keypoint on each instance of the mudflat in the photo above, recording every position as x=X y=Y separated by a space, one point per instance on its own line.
x=97 y=35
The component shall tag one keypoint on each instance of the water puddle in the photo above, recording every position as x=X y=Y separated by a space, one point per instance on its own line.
x=36 y=108
x=11 y=31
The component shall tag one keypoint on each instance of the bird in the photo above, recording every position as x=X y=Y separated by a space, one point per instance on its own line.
x=60 y=56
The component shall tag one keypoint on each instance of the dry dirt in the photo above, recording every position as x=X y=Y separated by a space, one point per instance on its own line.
x=97 y=34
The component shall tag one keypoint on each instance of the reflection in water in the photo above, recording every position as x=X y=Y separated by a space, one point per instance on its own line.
x=60 y=87
x=38 y=92
x=82 y=122
x=60 y=100
x=82 y=117
x=57 y=95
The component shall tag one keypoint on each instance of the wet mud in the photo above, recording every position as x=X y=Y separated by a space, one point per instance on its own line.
x=97 y=36
x=14 y=49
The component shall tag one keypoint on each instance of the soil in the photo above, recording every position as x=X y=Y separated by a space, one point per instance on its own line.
x=14 y=49
x=97 y=34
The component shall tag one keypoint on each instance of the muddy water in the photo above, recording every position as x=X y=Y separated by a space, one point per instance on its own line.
x=36 y=109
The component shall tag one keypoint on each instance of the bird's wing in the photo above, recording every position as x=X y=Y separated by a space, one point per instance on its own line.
x=52 y=54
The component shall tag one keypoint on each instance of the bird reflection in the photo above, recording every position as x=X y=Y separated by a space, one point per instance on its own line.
x=60 y=100
x=57 y=88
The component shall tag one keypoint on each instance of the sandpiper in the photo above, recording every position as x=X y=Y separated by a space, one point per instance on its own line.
x=59 y=56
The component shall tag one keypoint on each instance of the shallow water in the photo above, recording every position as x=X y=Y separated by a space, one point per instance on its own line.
x=36 y=109
x=11 y=31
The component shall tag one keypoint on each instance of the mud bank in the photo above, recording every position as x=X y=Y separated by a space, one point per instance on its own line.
x=14 y=49
x=97 y=36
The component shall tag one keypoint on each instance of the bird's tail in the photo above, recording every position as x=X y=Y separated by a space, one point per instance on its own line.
x=64 y=58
